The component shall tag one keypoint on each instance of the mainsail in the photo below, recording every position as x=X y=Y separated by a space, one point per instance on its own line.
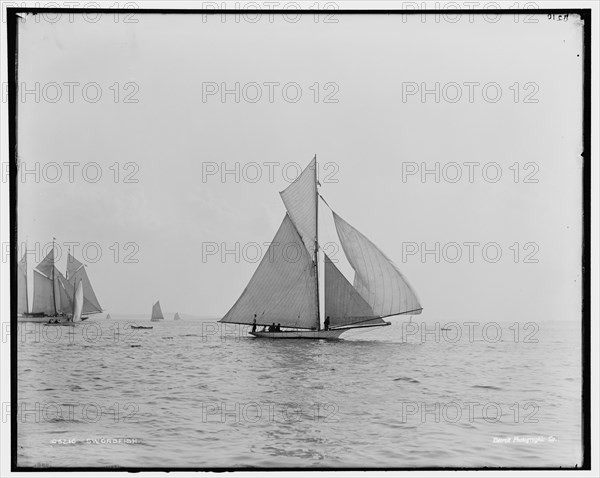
x=22 y=298
x=45 y=267
x=283 y=287
x=157 y=312
x=300 y=199
x=377 y=279
x=43 y=301
x=343 y=304
x=90 y=302
x=73 y=265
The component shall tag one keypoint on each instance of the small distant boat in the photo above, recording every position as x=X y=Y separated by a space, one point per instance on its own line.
x=286 y=292
x=157 y=313
x=140 y=327
x=176 y=316
x=108 y=317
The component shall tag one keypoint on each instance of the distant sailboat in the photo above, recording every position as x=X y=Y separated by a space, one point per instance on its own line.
x=22 y=296
x=53 y=293
x=75 y=316
x=157 y=313
x=176 y=316
x=285 y=290
x=108 y=317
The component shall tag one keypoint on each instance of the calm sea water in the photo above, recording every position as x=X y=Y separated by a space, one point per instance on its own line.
x=193 y=394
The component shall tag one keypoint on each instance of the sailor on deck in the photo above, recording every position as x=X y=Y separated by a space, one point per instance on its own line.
x=254 y=324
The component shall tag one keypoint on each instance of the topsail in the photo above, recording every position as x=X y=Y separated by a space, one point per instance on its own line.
x=73 y=265
x=45 y=267
x=300 y=199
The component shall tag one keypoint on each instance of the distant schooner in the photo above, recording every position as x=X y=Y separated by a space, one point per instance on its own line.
x=53 y=292
x=286 y=292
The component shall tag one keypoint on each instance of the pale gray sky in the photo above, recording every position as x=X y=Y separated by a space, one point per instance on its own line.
x=172 y=132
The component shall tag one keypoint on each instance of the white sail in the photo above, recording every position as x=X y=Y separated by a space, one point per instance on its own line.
x=157 y=312
x=377 y=279
x=45 y=267
x=73 y=265
x=63 y=293
x=176 y=316
x=22 y=298
x=300 y=199
x=78 y=302
x=343 y=304
x=283 y=287
x=90 y=301
x=42 y=294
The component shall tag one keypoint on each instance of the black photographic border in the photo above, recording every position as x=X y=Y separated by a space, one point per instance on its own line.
x=12 y=57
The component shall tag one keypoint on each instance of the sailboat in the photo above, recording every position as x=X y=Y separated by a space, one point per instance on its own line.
x=108 y=317
x=75 y=317
x=284 y=289
x=22 y=296
x=157 y=313
x=176 y=317
x=53 y=292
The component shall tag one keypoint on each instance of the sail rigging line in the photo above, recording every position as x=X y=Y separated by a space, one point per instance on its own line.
x=326 y=203
x=317 y=245
x=53 y=274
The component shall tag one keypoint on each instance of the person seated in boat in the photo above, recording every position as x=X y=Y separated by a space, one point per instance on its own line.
x=326 y=323
x=254 y=324
x=278 y=328
x=272 y=327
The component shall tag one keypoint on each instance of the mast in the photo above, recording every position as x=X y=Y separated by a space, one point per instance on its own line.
x=53 y=288
x=317 y=245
